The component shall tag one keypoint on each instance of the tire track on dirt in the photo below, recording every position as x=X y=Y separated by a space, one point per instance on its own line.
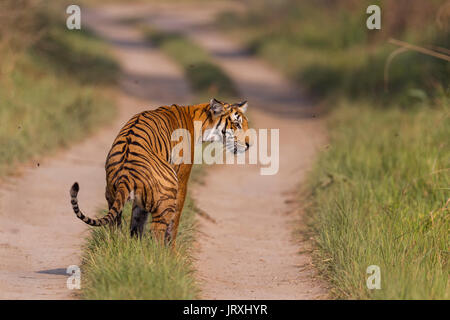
x=39 y=234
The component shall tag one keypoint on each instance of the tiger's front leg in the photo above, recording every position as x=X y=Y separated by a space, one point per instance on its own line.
x=181 y=197
x=183 y=177
x=117 y=223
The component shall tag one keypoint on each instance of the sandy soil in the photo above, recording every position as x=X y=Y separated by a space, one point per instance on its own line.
x=249 y=252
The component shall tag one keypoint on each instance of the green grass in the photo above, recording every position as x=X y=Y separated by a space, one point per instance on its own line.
x=204 y=76
x=115 y=266
x=47 y=101
x=380 y=197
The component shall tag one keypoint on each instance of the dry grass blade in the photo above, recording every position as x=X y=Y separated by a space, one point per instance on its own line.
x=419 y=49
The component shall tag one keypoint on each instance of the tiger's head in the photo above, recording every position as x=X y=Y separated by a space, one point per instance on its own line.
x=228 y=124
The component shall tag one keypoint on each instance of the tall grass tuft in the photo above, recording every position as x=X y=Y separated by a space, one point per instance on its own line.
x=381 y=197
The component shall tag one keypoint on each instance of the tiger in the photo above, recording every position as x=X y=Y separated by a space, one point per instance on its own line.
x=140 y=168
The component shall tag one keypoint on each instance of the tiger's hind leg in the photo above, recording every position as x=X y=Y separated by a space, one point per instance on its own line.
x=117 y=223
x=139 y=217
x=163 y=219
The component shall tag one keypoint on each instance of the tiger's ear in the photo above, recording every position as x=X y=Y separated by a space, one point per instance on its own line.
x=242 y=106
x=216 y=107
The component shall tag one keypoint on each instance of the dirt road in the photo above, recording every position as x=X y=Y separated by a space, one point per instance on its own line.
x=248 y=253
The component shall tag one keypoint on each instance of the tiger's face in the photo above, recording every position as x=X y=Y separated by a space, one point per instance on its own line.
x=229 y=125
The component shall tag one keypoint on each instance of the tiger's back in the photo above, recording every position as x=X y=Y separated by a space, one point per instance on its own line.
x=140 y=158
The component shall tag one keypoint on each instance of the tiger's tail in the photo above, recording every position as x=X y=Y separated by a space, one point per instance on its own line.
x=122 y=196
